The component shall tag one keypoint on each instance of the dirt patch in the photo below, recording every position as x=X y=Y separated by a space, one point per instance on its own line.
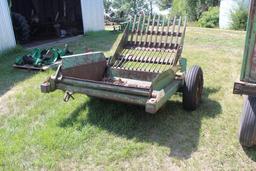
x=6 y=99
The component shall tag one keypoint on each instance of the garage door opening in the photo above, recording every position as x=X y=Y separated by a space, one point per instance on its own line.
x=37 y=20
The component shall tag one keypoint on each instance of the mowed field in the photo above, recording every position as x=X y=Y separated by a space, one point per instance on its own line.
x=40 y=131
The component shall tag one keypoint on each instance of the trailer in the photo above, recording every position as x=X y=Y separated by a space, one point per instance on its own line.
x=247 y=83
x=146 y=67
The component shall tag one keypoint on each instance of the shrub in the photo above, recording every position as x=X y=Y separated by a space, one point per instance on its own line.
x=178 y=8
x=239 y=18
x=210 y=18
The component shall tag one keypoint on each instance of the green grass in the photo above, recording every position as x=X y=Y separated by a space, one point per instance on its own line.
x=40 y=131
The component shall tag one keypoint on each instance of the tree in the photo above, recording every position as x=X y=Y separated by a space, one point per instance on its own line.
x=131 y=7
x=151 y=3
x=179 y=7
x=192 y=8
x=165 y=4
x=107 y=5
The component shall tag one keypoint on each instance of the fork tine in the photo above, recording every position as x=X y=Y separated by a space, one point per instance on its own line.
x=147 y=29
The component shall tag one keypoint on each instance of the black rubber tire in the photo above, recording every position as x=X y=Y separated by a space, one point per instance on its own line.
x=21 y=28
x=247 y=132
x=193 y=88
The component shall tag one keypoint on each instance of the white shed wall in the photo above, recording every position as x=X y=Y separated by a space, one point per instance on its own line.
x=7 y=38
x=226 y=8
x=93 y=15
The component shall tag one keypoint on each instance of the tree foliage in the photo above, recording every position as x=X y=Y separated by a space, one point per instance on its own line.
x=107 y=5
x=192 y=8
x=165 y=4
x=239 y=18
x=210 y=18
x=129 y=7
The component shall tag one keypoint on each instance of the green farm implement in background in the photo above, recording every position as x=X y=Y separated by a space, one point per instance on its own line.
x=42 y=57
x=247 y=83
x=146 y=67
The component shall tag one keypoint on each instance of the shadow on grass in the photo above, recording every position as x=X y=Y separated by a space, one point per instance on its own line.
x=10 y=76
x=96 y=41
x=250 y=152
x=171 y=127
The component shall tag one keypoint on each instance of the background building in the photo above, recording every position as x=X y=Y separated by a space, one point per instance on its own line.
x=226 y=8
x=24 y=21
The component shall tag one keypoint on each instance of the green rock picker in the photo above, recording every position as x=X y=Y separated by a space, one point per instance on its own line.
x=145 y=68
x=247 y=83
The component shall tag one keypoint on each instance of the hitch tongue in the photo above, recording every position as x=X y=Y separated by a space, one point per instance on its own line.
x=67 y=96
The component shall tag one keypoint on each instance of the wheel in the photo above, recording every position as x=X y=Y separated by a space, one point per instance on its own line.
x=193 y=88
x=247 y=132
x=21 y=28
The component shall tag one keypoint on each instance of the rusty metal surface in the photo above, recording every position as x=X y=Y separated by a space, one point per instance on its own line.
x=246 y=88
x=92 y=71
x=116 y=96
x=136 y=75
x=107 y=86
x=128 y=83
x=115 y=82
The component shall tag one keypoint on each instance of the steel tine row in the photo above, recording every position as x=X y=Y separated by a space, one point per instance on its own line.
x=171 y=58
x=180 y=43
x=143 y=34
x=136 y=59
x=160 y=35
x=167 y=61
x=161 y=61
x=137 y=31
x=156 y=32
x=147 y=29
x=154 y=62
x=160 y=56
x=173 y=30
x=133 y=28
x=146 y=58
x=134 y=52
x=123 y=54
x=142 y=30
x=177 y=34
x=126 y=54
x=184 y=30
x=152 y=31
x=167 y=32
x=136 y=66
x=125 y=59
x=162 y=31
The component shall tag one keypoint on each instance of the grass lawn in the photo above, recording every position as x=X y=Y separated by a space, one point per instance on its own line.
x=40 y=131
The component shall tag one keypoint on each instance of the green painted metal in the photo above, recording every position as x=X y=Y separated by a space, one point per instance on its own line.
x=118 y=45
x=117 y=96
x=78 y=59
x=163 y=79
x=41 y=57
x=162 y=96
x=248 y=71
x=183 y=64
